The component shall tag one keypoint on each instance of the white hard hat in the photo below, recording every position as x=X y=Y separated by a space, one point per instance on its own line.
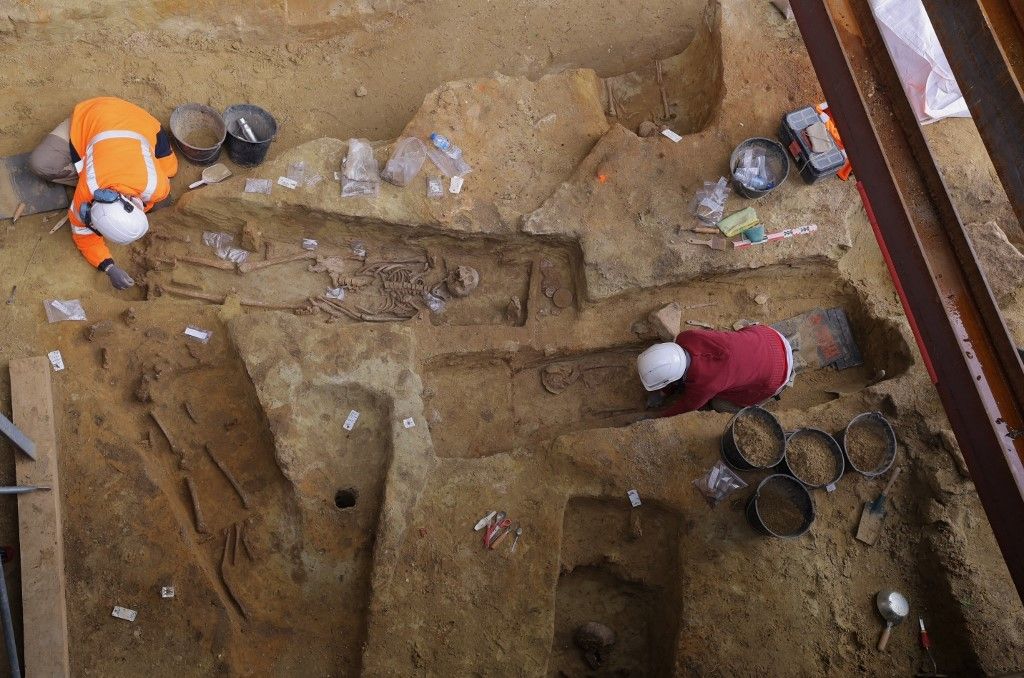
x=122 y=221
x=662 y=364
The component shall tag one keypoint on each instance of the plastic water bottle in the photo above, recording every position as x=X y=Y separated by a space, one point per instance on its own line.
x=445 y=145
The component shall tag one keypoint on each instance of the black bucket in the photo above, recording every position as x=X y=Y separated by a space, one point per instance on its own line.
x=780 y=507
x=776 y=166
x=240 y=149
x=199 y=131
x=735 y=457
x=887 y=437
x=836 y=452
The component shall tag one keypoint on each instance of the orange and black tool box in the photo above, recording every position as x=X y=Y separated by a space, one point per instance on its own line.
x=793 y=134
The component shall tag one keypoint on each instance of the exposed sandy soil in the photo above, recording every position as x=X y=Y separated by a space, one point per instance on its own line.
x=812 y=458
x=304 y=64
x=758 y=440
x=364 y=556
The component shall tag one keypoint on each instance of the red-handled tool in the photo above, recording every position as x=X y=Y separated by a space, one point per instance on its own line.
x=499 y=531
x=926 y=645
x=492 y=527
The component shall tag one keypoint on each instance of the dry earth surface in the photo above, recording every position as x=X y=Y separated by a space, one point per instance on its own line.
x=359 y=554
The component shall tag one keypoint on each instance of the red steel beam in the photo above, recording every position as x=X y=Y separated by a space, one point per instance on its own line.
x=972 y=360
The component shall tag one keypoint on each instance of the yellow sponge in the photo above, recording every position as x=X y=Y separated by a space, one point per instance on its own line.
x=737 y=222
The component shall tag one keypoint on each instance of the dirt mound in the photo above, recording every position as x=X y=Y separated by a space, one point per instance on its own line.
x=757 y=439
x=866 y=445
x=813 y=458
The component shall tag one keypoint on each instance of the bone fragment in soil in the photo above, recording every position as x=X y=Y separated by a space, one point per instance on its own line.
x=198 y=261
x=167 y=436
x=220 y=299
x=661 y=88
x=197 y=510
x=228 y=534
x=164 y=235
x=250 y=266
x=244 y=538
x=230 y=476
x=557 y=378
x=334 y=266
x=462 y=281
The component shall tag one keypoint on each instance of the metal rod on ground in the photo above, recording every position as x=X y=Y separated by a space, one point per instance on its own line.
x=16 y=436
x=22 y=489
x=5 y=609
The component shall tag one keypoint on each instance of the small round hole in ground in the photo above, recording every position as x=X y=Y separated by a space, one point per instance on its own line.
x=346 y=498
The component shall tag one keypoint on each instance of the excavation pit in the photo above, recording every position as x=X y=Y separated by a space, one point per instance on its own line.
x=618 y=567
x=520 y=396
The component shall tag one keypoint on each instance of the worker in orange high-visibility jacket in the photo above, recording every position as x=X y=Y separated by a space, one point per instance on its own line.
x=121 y=162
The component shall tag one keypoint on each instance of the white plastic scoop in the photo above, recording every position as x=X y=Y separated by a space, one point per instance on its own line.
x=212 y=175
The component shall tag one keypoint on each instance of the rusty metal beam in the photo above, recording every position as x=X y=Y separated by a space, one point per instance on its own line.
x=964 y=343
x=1006 y=17
x=980 y=57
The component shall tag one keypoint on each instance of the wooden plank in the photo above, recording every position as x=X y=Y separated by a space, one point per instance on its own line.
x=42 y=543
x=19 y=185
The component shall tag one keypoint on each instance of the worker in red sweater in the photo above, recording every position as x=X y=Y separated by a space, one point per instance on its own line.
x=742 y=368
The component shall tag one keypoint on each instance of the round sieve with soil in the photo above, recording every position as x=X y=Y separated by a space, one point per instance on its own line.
x=814 y=457
x=199 y=131
x=780 y=507
x=754 y=439
x=869 y=444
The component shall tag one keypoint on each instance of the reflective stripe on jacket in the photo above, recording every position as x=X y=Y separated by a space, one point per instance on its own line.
x=119 y=146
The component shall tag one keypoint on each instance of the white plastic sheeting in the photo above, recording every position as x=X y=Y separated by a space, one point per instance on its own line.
x=919 y=60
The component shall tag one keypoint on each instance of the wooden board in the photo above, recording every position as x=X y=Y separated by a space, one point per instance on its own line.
x=19 y=185
x=39 y=522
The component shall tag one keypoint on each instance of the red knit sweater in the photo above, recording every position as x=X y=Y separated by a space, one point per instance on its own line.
x=745 y=367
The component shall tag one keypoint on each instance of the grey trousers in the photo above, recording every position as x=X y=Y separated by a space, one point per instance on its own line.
x=51 y=160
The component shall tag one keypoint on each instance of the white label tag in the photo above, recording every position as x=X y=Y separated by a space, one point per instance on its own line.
x=57 y=360
x=124 y=613
x=350 y=420
x=287 y=183
x=456 y=185
x=634 y=498
x=675 y=138
x=408 y=422
x=196 y=333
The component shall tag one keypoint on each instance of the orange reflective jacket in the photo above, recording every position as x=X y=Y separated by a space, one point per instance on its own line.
x=115 y=144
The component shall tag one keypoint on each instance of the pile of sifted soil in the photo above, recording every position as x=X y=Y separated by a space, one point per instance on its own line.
x=812 y=458
x=757 y=439
x=202 y=138
x=866 y=444
x=780 y=508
